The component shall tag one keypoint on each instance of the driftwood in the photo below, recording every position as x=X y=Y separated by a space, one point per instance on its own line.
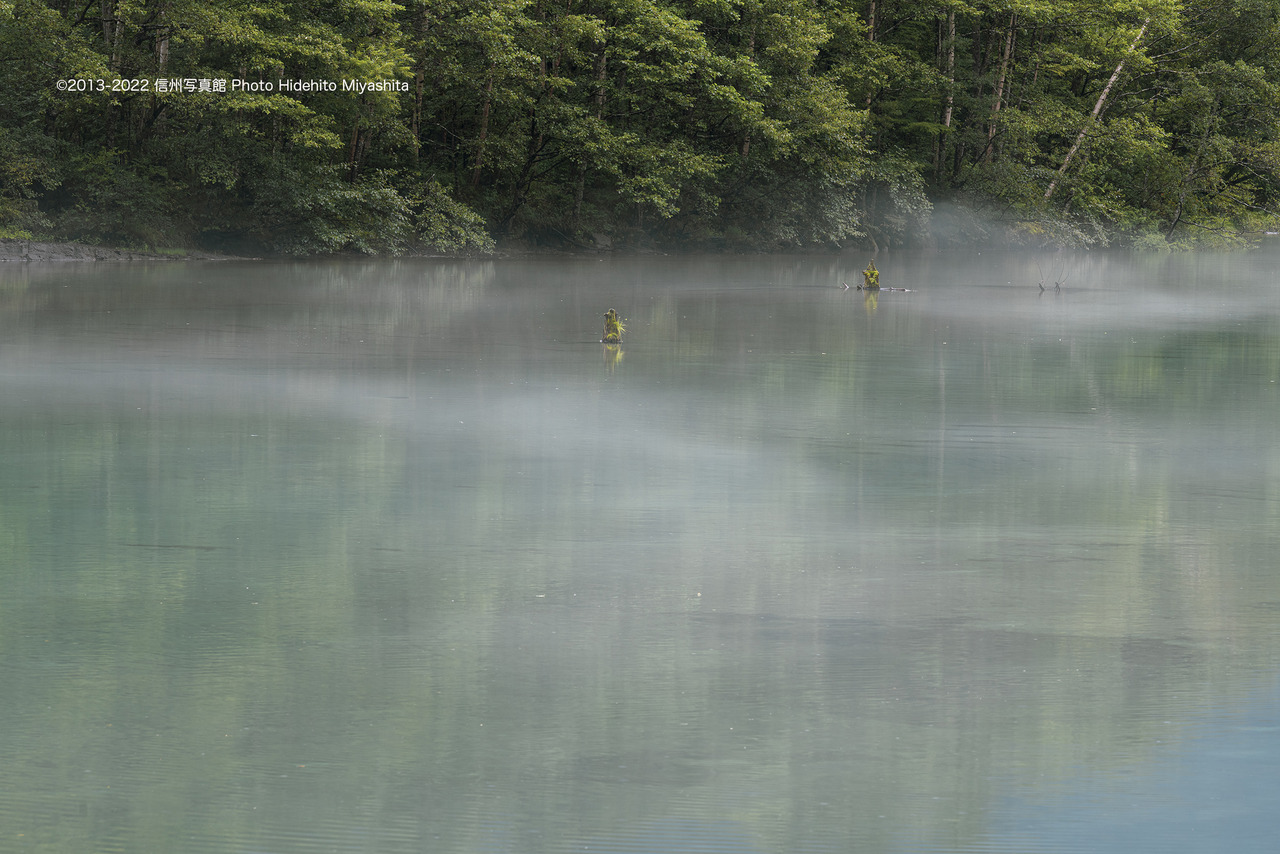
x=871 y=281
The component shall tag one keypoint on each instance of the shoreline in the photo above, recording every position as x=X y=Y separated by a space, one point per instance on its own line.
x=19 y=250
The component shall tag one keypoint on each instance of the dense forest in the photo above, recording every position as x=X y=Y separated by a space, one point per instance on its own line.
x=300 y=126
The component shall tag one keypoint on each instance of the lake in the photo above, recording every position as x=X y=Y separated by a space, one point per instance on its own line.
x=396 y=556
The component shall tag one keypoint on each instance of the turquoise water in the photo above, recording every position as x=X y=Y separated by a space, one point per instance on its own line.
x=396 y=556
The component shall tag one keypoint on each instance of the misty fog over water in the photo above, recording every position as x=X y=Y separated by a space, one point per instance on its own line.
x=392 y=556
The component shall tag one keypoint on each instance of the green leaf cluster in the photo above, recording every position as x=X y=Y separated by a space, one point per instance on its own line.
x=713 y=123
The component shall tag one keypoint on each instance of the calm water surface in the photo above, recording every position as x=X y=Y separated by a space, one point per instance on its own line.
x=397 y=557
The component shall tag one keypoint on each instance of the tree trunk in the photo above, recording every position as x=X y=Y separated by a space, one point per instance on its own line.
x=108 y=22
x=484 y=131
x=950 y=103
x=1000 y=83
x=871 y=37
x=1195 y=167
x=1097 y=110
x=162 y=39
x=597 y=104
x=113 y=31
x=353 y=151
x=602 y=67
x=419 y=83
x=751 y=53
x=947 y=58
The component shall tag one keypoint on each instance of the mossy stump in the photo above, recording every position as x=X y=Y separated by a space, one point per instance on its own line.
x=613 y=327
x=871 y=278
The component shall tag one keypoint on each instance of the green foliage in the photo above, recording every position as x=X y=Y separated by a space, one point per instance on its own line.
x=443 y=224
x=742 y=123
x=27 y=167
x=112 y=201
